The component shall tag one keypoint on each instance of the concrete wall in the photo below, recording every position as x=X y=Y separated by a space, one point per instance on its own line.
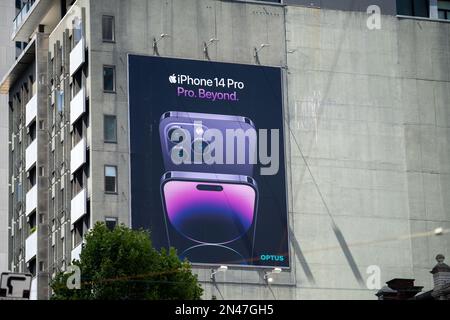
x=369 y=110
x=240 y=27
x=388 y=7
x=424 y=86
x=7 y=13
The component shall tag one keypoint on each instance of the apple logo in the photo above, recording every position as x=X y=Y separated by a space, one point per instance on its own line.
x=173 y=78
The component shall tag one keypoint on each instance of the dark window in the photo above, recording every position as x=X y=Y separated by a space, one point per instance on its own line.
x=32 y=132
x=444 y=13
x=32 y=222
x=111 y=223
x=109 y=78
x=110 y=179
x=110 y=128
x=108 y=29
x=32 y=177
x=77 y=183
x=77 y=134
x=78 y=233
x=417 y=8
x=77 y=82
x=32 y=267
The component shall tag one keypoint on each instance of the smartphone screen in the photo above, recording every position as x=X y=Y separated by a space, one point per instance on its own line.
x=209 y=213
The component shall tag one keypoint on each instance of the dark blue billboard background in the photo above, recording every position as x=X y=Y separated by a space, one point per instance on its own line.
x=228 y=214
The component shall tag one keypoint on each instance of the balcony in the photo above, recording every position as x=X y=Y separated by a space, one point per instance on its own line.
x=31 y=201
x=78 y=156
x=33 y=290
x=31 y=246
x=19 y=67
x=31 y=110
x=78 y=207
x=34 y=13
x=77 y=56
x=31 y=155
x=76 y=252
x=22 y=15
x=77 y=106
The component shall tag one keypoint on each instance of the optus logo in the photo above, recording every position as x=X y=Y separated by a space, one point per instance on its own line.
x=270 y=257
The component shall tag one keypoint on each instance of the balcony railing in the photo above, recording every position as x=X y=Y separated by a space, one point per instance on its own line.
x=31 y=110
x=77 y=106
x=31 y=246
x=22 y=14
x=31 y=155
x=78 y=156
x=78 y=207
x=31 y=201
x=77 y=56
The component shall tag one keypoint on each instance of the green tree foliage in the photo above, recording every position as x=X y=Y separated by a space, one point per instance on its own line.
x=123 y=265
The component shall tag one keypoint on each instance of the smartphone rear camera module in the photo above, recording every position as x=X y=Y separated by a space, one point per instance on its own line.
x=200 y=146
x=180 y=153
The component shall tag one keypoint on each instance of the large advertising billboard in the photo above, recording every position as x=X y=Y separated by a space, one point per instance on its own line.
x=207 y=160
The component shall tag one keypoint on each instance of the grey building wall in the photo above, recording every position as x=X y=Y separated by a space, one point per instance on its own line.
x=367 y=119
x=239 y=26
x=349 y=96
x=388 y=7
x=424 y=87
x=7 y=13
x=369 y=110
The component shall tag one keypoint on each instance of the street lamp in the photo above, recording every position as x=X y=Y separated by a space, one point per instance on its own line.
x=216 y=271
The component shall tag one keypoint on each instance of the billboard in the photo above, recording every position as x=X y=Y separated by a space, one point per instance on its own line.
x=207 y=160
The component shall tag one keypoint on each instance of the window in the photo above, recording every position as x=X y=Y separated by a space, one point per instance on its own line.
x=111 y=223
x=108 y=29
x=77 y=233
x=31 y=132
x=110 y=179
x=417 y=8
x=77 y=134
x=110 y=128
x=77 y=83
x=109 y=78
x=77 y=183
x=77 y=30
x=32 y=223
x=444 y=10
x=32 y=267
x=32 y=177
x=59 y=100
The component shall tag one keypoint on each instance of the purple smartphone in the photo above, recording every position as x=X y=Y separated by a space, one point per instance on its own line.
x=204 y=210
x=195 y=147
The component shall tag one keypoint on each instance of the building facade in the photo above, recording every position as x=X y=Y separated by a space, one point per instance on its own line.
x=367 y=105
x=6 y=59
